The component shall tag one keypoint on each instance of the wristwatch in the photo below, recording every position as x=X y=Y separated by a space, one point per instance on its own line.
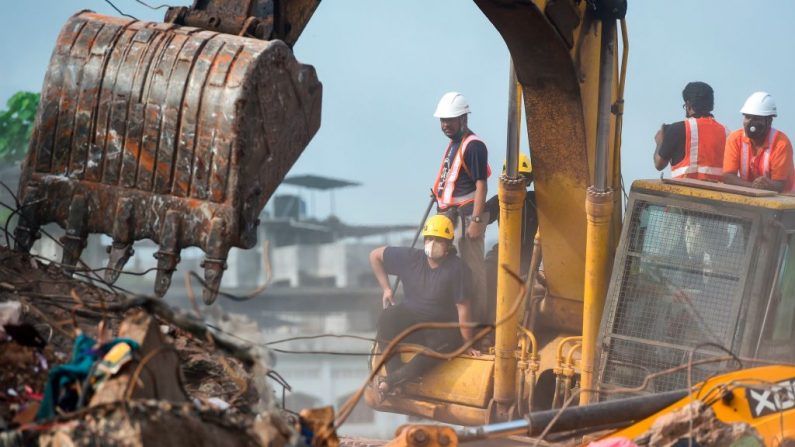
x=477 y=219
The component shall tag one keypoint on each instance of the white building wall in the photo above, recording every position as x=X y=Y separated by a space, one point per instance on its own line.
x=287 y=262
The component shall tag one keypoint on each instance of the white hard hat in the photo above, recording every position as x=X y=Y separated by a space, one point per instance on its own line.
x=759 y=104
x=452 y=105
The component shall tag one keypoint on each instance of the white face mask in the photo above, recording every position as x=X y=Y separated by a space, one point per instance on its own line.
x=435 y=249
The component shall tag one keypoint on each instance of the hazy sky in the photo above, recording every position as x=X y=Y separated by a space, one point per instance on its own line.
x=384 y=64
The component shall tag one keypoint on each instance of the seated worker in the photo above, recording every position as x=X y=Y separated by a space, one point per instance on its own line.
x=759 y=156
x=529 y=228
x=693 y=147
x=433 y=288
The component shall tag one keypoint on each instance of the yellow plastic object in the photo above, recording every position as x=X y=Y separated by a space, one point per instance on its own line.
x=525 y=165
x=463 y=380
x=111 y=363
x=439 y=226
x=763 y=397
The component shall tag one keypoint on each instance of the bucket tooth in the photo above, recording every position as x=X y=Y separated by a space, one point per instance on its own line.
x=118 y=255
x=213 y=273
x=74 y=240
x=215 y=262
x=27 y=230
x=121 y=249
x=168 y=255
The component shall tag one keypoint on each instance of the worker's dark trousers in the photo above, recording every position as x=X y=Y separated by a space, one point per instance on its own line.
x=472 y=252
x=392 y=322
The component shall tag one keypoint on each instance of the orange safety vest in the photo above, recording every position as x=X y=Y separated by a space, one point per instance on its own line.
x=446 y=199
x=705 y=141
x=747 y=160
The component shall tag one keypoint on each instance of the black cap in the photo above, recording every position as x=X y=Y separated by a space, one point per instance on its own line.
x=700 y=96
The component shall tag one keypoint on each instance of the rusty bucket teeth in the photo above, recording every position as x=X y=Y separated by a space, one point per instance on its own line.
x=213 y=273
x=119 y=254
x=166 y=264
x=74 y=240
x=154 y=131
x=73 y=246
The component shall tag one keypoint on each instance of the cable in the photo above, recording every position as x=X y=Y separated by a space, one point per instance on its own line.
x=347 y=408
x=690 y=380
x=119 y=10
x=312 y=337
x=153 y=7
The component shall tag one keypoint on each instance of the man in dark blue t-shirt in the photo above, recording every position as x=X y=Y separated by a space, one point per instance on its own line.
x=433 y=289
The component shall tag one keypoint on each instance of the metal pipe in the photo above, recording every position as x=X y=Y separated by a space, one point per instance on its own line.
x=535 y=263
x=417 y=235
x=557 y=395
x=570 y=354
x=511 y=194
x=559 y=353
x=514 y=120
x=594 y=415
x=606 y=58
x=761 y=332
x=532 y=338
x=599 y=209
x=619 y=107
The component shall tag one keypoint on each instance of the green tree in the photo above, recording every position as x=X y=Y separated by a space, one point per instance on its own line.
x=16 y=125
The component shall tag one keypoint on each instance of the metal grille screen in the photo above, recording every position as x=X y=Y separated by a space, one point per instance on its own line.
x=680 y=288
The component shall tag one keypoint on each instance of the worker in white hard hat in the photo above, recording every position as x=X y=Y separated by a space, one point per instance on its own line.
x=460 y=190
x=759 y=156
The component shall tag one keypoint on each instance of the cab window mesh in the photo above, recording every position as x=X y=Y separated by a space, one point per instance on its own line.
x=680 y=288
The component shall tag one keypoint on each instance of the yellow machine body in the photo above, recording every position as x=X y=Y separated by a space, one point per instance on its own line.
x=457 y=391
x=555 y=48
x=762 y=397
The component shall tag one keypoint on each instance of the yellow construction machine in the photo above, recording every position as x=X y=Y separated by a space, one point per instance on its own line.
x=569 y=78
x=698 y=282
x=179 y=132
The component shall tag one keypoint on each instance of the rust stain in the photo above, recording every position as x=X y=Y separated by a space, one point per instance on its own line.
x=129 y=208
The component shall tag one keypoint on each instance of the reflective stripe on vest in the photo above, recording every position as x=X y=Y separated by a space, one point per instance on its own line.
x=745 y=157
x=690 y=165
x=447 y=199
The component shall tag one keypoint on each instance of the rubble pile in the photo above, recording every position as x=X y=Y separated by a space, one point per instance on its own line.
x=698 y=421
x=150 y=376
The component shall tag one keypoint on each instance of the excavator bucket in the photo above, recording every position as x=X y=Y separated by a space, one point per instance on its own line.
x=163 y=132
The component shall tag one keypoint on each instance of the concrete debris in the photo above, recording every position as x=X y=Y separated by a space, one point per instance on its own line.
x=174 y=388
x=9 y=314
x=706 y=430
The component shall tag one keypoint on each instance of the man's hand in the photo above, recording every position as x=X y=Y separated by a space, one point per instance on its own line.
x=387 y=298
x=658 y=137
x=763 y=182
x=475 y=230
x=474 y=352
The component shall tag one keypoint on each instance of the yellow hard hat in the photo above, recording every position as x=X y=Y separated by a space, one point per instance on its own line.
x=438 y=225
x=525 y=166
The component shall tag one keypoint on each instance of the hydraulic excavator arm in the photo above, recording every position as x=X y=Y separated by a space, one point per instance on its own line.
x=262 y=19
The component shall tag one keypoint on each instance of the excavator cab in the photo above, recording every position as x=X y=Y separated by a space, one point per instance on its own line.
x=702 y=269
